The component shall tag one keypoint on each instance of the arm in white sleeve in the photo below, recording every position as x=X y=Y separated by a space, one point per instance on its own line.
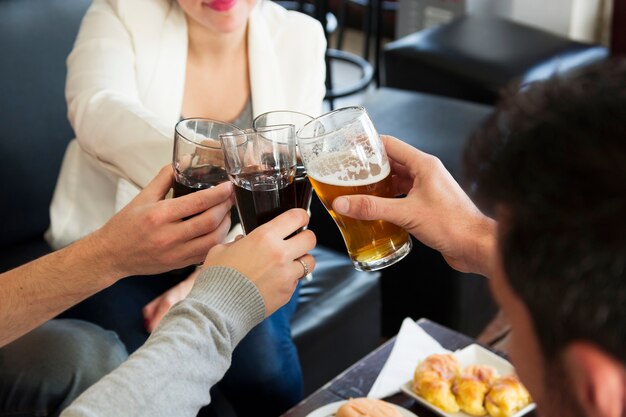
x=187 y=354
x=111 y=122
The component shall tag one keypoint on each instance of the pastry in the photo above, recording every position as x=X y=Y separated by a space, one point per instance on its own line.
x=433 y=381
x=367 y=407
x=484 y=373
x=506 y=397
x=471 y=387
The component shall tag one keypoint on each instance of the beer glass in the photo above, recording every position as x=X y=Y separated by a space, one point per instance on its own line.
x=344 y=155
x=261 y=163
x=304 y=192
x=198 y=158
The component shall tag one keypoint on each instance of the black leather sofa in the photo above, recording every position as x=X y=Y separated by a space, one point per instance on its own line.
x=338 y=318
x=475 y=57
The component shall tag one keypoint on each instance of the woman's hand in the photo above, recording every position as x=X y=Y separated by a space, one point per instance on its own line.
x=153 y=235
x=154 y=311
x=436 y=210
x=268 y=258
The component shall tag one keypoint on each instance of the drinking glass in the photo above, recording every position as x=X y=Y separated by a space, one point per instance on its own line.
x=304 y=191
x=198 y=158
x=261 y=163
x=344 y=155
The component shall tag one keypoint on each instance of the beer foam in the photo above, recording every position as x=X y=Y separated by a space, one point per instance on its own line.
x=346 y=170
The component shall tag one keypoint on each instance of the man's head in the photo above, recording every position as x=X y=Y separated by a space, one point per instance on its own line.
x=551 y=165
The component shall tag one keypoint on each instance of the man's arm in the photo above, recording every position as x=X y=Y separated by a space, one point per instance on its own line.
x=190 y=350
x=435 y=211
x=147 y=237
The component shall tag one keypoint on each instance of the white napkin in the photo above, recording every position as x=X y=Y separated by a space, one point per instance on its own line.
x=412 y=345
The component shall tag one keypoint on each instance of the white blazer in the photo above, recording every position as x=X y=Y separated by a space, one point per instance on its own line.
x=124 y=93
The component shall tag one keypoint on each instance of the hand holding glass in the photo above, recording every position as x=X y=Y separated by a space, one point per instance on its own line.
x=344 y=155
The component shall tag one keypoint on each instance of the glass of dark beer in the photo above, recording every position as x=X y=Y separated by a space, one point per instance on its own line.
x=261 y=163
x=304 y=191
x=344 y=155
x=198 y=158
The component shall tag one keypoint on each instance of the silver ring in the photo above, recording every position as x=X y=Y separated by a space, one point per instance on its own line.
x=305 y=266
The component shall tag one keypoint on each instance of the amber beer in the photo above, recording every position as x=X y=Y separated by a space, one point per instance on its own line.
x=369 y=243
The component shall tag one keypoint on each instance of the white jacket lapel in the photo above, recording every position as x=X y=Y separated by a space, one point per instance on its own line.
x=265 y=85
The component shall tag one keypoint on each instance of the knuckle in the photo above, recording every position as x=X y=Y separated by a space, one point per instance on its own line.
x=311 y=238
x=297 y=216
x=434 y=162
x=154 y=218
x=212 y=220
x=197 y=204
x=369 y=207
x=169 y=259
x=276 y=253
x=263 y=233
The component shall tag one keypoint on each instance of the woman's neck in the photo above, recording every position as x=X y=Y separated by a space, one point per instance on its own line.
x=207 y=44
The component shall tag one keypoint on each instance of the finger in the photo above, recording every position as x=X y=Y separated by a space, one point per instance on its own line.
x=150 y=308
x=158 y=187
x=366 y=207
x=297 y=271
x=401 y=152
x=300 y=244
x=206 y=222
x=162 y=309
x=186 y=206
x=195 y=250
x=285 y=224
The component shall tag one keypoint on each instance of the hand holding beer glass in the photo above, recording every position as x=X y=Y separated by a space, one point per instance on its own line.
x=261 y=163
x=344 y=155
x=198 y=159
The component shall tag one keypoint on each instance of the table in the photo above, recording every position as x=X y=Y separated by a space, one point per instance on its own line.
x=357 y=380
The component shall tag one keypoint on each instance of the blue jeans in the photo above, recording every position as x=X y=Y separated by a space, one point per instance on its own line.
x=265 y=372
x=42 y=372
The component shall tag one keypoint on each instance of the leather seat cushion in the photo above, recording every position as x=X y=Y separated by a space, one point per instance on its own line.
x=474 y=57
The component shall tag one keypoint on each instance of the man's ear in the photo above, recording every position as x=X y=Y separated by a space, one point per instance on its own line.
x=598 y=380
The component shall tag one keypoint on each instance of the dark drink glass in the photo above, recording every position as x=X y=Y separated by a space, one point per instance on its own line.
x=261 y=163
x=198 y=159
x=304 y=190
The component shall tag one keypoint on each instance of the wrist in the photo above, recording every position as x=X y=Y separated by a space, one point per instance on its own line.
x=101 y=258
x=485 y=247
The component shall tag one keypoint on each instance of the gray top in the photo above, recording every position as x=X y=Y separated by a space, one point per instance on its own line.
x=244 y=120
x=188 y=352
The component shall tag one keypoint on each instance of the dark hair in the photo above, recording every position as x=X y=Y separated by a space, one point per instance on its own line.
x=554 y=157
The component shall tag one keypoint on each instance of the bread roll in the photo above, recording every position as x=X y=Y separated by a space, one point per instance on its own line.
x=506 y=397
x=433 y=381
x=367 y=407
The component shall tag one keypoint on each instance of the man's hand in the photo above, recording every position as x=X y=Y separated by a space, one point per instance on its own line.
x=268 y=258
x=436 y=210
x=153 y=235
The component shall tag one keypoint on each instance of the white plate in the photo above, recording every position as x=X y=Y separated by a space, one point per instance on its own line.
x=329 y=410
x=471 y=355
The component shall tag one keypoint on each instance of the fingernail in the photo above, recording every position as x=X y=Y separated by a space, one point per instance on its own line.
x=341 y=205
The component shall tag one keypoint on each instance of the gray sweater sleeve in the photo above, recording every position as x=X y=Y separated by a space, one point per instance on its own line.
x=188 y=352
